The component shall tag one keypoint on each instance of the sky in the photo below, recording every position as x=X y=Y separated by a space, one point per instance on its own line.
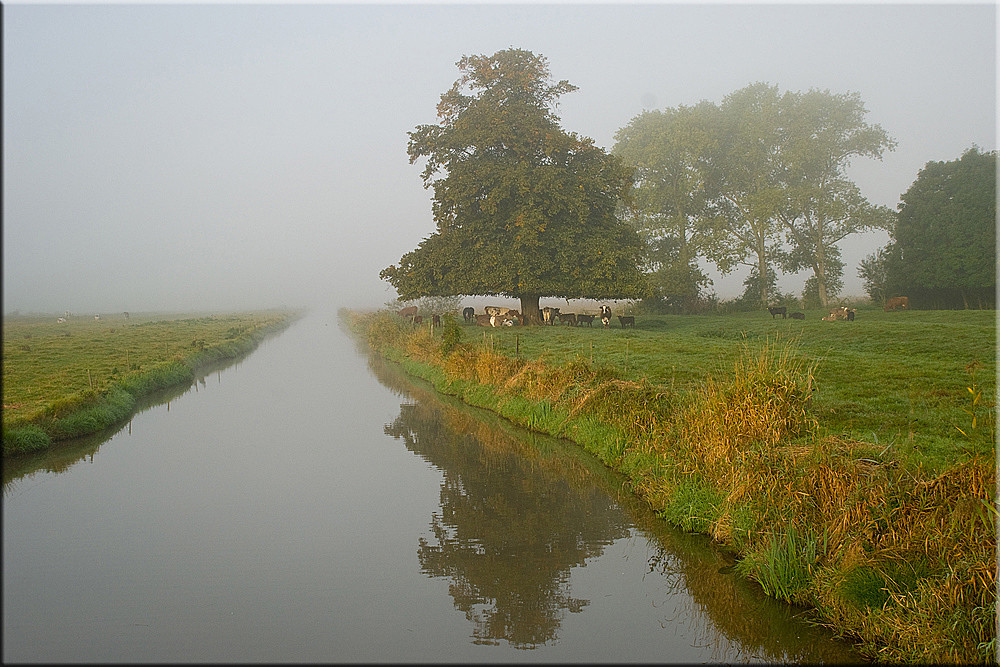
x=219 y=157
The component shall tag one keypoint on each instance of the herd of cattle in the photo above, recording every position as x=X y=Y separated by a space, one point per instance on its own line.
x=498 y=316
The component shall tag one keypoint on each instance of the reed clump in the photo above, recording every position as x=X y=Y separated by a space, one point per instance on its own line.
x=899 y=558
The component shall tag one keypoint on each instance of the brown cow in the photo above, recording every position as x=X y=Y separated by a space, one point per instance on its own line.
x=418 y=319
x=409 y=311
x=567 y=318
x=897 y=302
x=627 y=321
x=549 y=315
x=484 y=320
x=585 y=319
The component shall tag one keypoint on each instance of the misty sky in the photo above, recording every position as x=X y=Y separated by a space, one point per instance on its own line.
x=219 y=157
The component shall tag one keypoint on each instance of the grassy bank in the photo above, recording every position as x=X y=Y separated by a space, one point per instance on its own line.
x=68 y=379
x=773 y=438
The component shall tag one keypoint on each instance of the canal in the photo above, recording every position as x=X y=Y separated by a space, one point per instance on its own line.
x=311 y=503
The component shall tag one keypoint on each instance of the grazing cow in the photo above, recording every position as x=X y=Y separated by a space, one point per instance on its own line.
x=567 y=318
x=418 y=319
x=897 y=302
x=606 y=316
x=409 y=311
x=779 y=310
x=468 y=314
x=549 y=315
x=797 y=316
x=585 y=319
x=627 y=321
x=436 y=320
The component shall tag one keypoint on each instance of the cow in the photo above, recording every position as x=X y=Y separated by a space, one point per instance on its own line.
x=549 y=315
x=436 y=320
x=778 y=310
x=568 y=318
x=409 y=311
x=496 y=310
x=61 y=320
x=418 y=319
x=897 y=302
x=484 y=320
x=850 y=314
x=468 y=314
x=585 y=319
x=627 y=321
x=797 y=316
x=126 y=314
x=606 y=316
x=97 y=318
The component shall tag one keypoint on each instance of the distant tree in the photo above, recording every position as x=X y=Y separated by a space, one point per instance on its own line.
x=523 y=209
x=742 y=172
x=946 y=234
x=822 y=133
x=666 y=149
x=874 y=273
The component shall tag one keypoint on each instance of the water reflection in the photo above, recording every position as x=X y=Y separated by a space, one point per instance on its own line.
x=519 y=511
x=511 y=527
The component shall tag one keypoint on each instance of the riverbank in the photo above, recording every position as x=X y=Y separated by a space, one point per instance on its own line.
x=895 y=554
x=67 y=379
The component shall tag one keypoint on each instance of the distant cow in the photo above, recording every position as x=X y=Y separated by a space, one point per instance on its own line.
x=484 y=320
x=418 y=319
x=585 y=319
x=798 y=316
x=568 y=318
x=897 y=302
x=61 y=320
x=850 y=314
x=549 y=315
x=409 y=311
x=606 y=316
x=436 y=320
x=97 y=318
x=779 y=310
x=468 y=314
x=496 y=310
x=627 y=321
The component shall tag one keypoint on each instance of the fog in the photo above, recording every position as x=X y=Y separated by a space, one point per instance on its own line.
x=192 y=157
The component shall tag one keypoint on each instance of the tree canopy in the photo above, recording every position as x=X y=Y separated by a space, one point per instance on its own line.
x=522 y=208
x=943 y=252
x=757 y=180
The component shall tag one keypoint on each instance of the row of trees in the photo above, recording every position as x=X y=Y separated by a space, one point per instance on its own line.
x=524 y=209
x=758 y=180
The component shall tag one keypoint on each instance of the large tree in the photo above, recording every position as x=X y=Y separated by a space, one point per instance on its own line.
x=822 y=133
x=743 y=174
x=944 y=249
x=666 y=148
x=523 y=208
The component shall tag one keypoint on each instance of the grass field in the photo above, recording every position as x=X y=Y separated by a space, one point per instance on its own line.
x=52 y=369
x=898 y=379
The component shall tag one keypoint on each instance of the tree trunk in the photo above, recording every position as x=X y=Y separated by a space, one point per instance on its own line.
x=762 y=272
x=529 y=308
x=821 y=276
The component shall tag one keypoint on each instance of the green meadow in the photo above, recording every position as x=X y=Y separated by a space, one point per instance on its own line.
x=72 y=378
x=900 y=380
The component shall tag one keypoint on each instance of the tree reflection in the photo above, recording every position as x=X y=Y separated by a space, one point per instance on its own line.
x=513 y=523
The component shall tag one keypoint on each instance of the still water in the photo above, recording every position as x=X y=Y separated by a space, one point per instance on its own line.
x=312 y=504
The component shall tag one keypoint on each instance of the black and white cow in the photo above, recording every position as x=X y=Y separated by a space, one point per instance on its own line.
x=606 y=316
